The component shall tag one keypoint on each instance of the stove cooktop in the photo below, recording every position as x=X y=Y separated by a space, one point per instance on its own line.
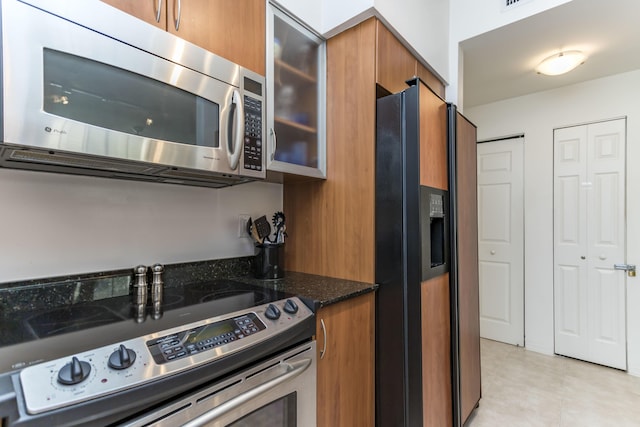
x=48 y=334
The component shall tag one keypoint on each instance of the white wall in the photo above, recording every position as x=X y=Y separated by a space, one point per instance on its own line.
x=60 y=224
x=470 y=18
x=536 y=116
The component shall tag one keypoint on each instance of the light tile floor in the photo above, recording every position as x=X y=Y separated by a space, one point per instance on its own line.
x=524 y=388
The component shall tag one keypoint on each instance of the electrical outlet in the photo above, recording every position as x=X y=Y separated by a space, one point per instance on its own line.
x=242 y=225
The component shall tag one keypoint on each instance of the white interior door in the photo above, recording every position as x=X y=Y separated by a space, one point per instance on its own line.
x=589 y=238
x=501 y=240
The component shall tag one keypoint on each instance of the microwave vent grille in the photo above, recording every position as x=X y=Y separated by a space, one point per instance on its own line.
x=204 y=176
x=69 y=160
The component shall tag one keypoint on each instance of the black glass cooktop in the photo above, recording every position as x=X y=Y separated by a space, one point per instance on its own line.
x=181 y=305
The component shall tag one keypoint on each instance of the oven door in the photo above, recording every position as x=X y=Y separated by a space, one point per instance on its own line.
x=278 y=393
x=73 y=89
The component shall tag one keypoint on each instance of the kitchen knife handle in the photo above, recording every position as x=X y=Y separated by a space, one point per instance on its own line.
x=324 y=343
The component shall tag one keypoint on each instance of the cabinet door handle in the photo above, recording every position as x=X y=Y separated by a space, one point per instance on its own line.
x=159 y=10
x=324 y=334
x=177 y=21
x=275 y=144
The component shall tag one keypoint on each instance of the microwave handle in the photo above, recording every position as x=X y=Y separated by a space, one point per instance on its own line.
x=235 y=136
x=291 y=370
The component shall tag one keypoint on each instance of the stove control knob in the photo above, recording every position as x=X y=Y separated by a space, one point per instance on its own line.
x=74 y=372
x=272 y=312
x=290 y=307
x=122 y=358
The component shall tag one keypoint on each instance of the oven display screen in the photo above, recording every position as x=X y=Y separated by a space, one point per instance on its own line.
x=210 y=332
x=203 y=338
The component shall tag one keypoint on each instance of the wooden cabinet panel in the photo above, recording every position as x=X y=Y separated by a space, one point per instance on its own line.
x=436 y=352
x=433 y=140
x=430 y=79
x=394 y=63
x=468 y=282
x=147 y=10
x=233 y=29
x=346 y=372
x=330 y=223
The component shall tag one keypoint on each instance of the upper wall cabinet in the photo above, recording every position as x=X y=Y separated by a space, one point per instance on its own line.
x=395 y=64
x=232 y=29
x=296 y=91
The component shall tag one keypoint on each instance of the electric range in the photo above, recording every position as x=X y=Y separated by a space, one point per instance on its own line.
x=98 y=362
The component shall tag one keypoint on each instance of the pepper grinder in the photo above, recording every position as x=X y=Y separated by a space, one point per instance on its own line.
x=157 y=286
x=140 y=293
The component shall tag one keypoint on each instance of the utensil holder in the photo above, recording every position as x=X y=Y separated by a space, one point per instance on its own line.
x=269 y=261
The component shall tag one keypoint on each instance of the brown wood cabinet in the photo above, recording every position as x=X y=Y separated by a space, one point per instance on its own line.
x=395 y=64
x=430 y=79
x=331 y=223
x=332 y=226
x=436 y=352
x=229 y=28
x=345 y=334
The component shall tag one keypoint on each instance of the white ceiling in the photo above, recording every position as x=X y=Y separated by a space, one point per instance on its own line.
x=500 y=64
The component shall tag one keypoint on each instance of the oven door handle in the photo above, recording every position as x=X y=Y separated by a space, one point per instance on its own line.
x=292 y=369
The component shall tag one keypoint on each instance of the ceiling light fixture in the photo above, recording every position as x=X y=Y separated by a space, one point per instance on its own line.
x=561 y=63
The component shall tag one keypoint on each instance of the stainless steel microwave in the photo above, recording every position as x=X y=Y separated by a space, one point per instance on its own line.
x=88 y=89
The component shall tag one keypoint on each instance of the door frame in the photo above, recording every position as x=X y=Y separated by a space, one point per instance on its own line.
x=524 y=307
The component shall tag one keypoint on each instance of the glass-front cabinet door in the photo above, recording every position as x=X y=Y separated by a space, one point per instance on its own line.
x=296 y=115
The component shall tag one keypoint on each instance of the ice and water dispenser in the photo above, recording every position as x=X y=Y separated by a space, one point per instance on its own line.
x=434 y=206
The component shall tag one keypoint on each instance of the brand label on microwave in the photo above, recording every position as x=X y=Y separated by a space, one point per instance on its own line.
x=50 y=130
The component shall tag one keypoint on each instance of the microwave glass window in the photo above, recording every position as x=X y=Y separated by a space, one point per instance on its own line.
x=91 y=92
x=278 y=413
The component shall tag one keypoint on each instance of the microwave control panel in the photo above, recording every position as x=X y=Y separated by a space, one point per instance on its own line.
x=253 y=149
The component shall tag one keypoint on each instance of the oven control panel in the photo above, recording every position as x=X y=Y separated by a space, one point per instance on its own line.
x=99 y=372
x=203 y=338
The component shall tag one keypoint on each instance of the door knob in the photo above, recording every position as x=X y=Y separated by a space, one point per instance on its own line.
x=629 y=268
x=493 y=252
x=602 y=257
x=583 y=257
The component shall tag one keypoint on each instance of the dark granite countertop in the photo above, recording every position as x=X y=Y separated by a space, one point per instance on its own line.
x=31 y=296
x=320 y=291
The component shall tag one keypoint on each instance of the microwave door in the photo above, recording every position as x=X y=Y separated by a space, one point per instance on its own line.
x=68 y=88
